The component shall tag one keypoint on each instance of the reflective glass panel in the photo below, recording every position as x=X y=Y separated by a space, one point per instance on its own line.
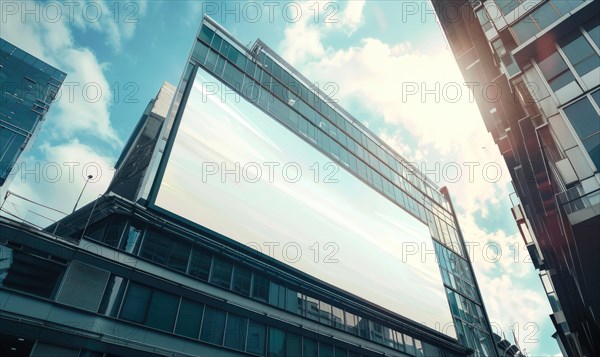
x=343 y=211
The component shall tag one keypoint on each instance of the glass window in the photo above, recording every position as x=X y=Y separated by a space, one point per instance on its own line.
x=310 y=347
x=131 y=244
x=376 y=332
x=260 y=288
x=221 y=273
x=233 y=76
x=506 y=6
x=556 y=72
x=255 y=341
x=399 y=341
x=325 y=312
x=114 y=231
x=211 y=60
x=199 y=52
x=220 y=66
x=583 y=117
x=242 y=278
x=363 y=327
x=200 y=263
x=163 y=250
x=235 y=333
x=136 y=303
x=312 y=308
x=545 y=15
x=594 y=31
x=277 y=295
x=225 y=46
x=340 y=352
x=189 y=318
x=213 y=326
x=596 y=97
x=351 y=323
x=24 y=272
x=206 y=34
x=293 y=344
x=484 y=19
x=276 y=342
x=592 y=146
x=338 y=317
x=524 y=29
x=565 y=6
x=409 y=345
x=581 y=54
x=216 y=42
x=162 y=311
x=325 y=349
x=112 y=296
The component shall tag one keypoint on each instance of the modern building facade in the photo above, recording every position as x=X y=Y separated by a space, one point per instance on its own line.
x=255 y=216
x=28 y=87
x=542 y=58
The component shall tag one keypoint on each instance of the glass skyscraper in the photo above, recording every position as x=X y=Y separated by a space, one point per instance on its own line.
x=28 y=87
x=249 y=215
x=544 y=59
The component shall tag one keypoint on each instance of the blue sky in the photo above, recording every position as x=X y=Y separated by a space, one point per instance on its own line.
x=386 y=60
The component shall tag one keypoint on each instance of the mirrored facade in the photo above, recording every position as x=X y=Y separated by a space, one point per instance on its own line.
x=28 y=87
x=544 y=56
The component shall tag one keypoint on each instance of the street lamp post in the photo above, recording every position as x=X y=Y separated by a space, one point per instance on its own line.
x=89 y=177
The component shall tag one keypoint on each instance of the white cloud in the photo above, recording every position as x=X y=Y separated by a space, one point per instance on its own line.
x=349 y=20
x=117 y=21
x=302 y=39
x=56 y=179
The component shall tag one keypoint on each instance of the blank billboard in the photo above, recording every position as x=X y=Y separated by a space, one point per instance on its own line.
x=239 y=172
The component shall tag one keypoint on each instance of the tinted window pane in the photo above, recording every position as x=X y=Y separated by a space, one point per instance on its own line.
x=293 y=344
x=592 y=145
x=581 y=55
x=340 y=352
x=276 y=342
x=163 y=250
x=325 y=350
x=310 y=347
x=594 y=32
x=200 y=264
x=179 y=256
x=260 y=288
x=596 y=97
x=206 y=34
x=524 y=29
x=114 y=232
x=189 y=319
x=213 y=326
x=255 y=341
x=221 y=274
x=112 y=296
x=162 y=311
x=552 y=66
x=136 y=303
x=235 y=333
x=545 y=15
x=583 y=117
x=131 y=243
x=507 y=5
x=242 y=278
x=27 y=273
x=277 y=295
